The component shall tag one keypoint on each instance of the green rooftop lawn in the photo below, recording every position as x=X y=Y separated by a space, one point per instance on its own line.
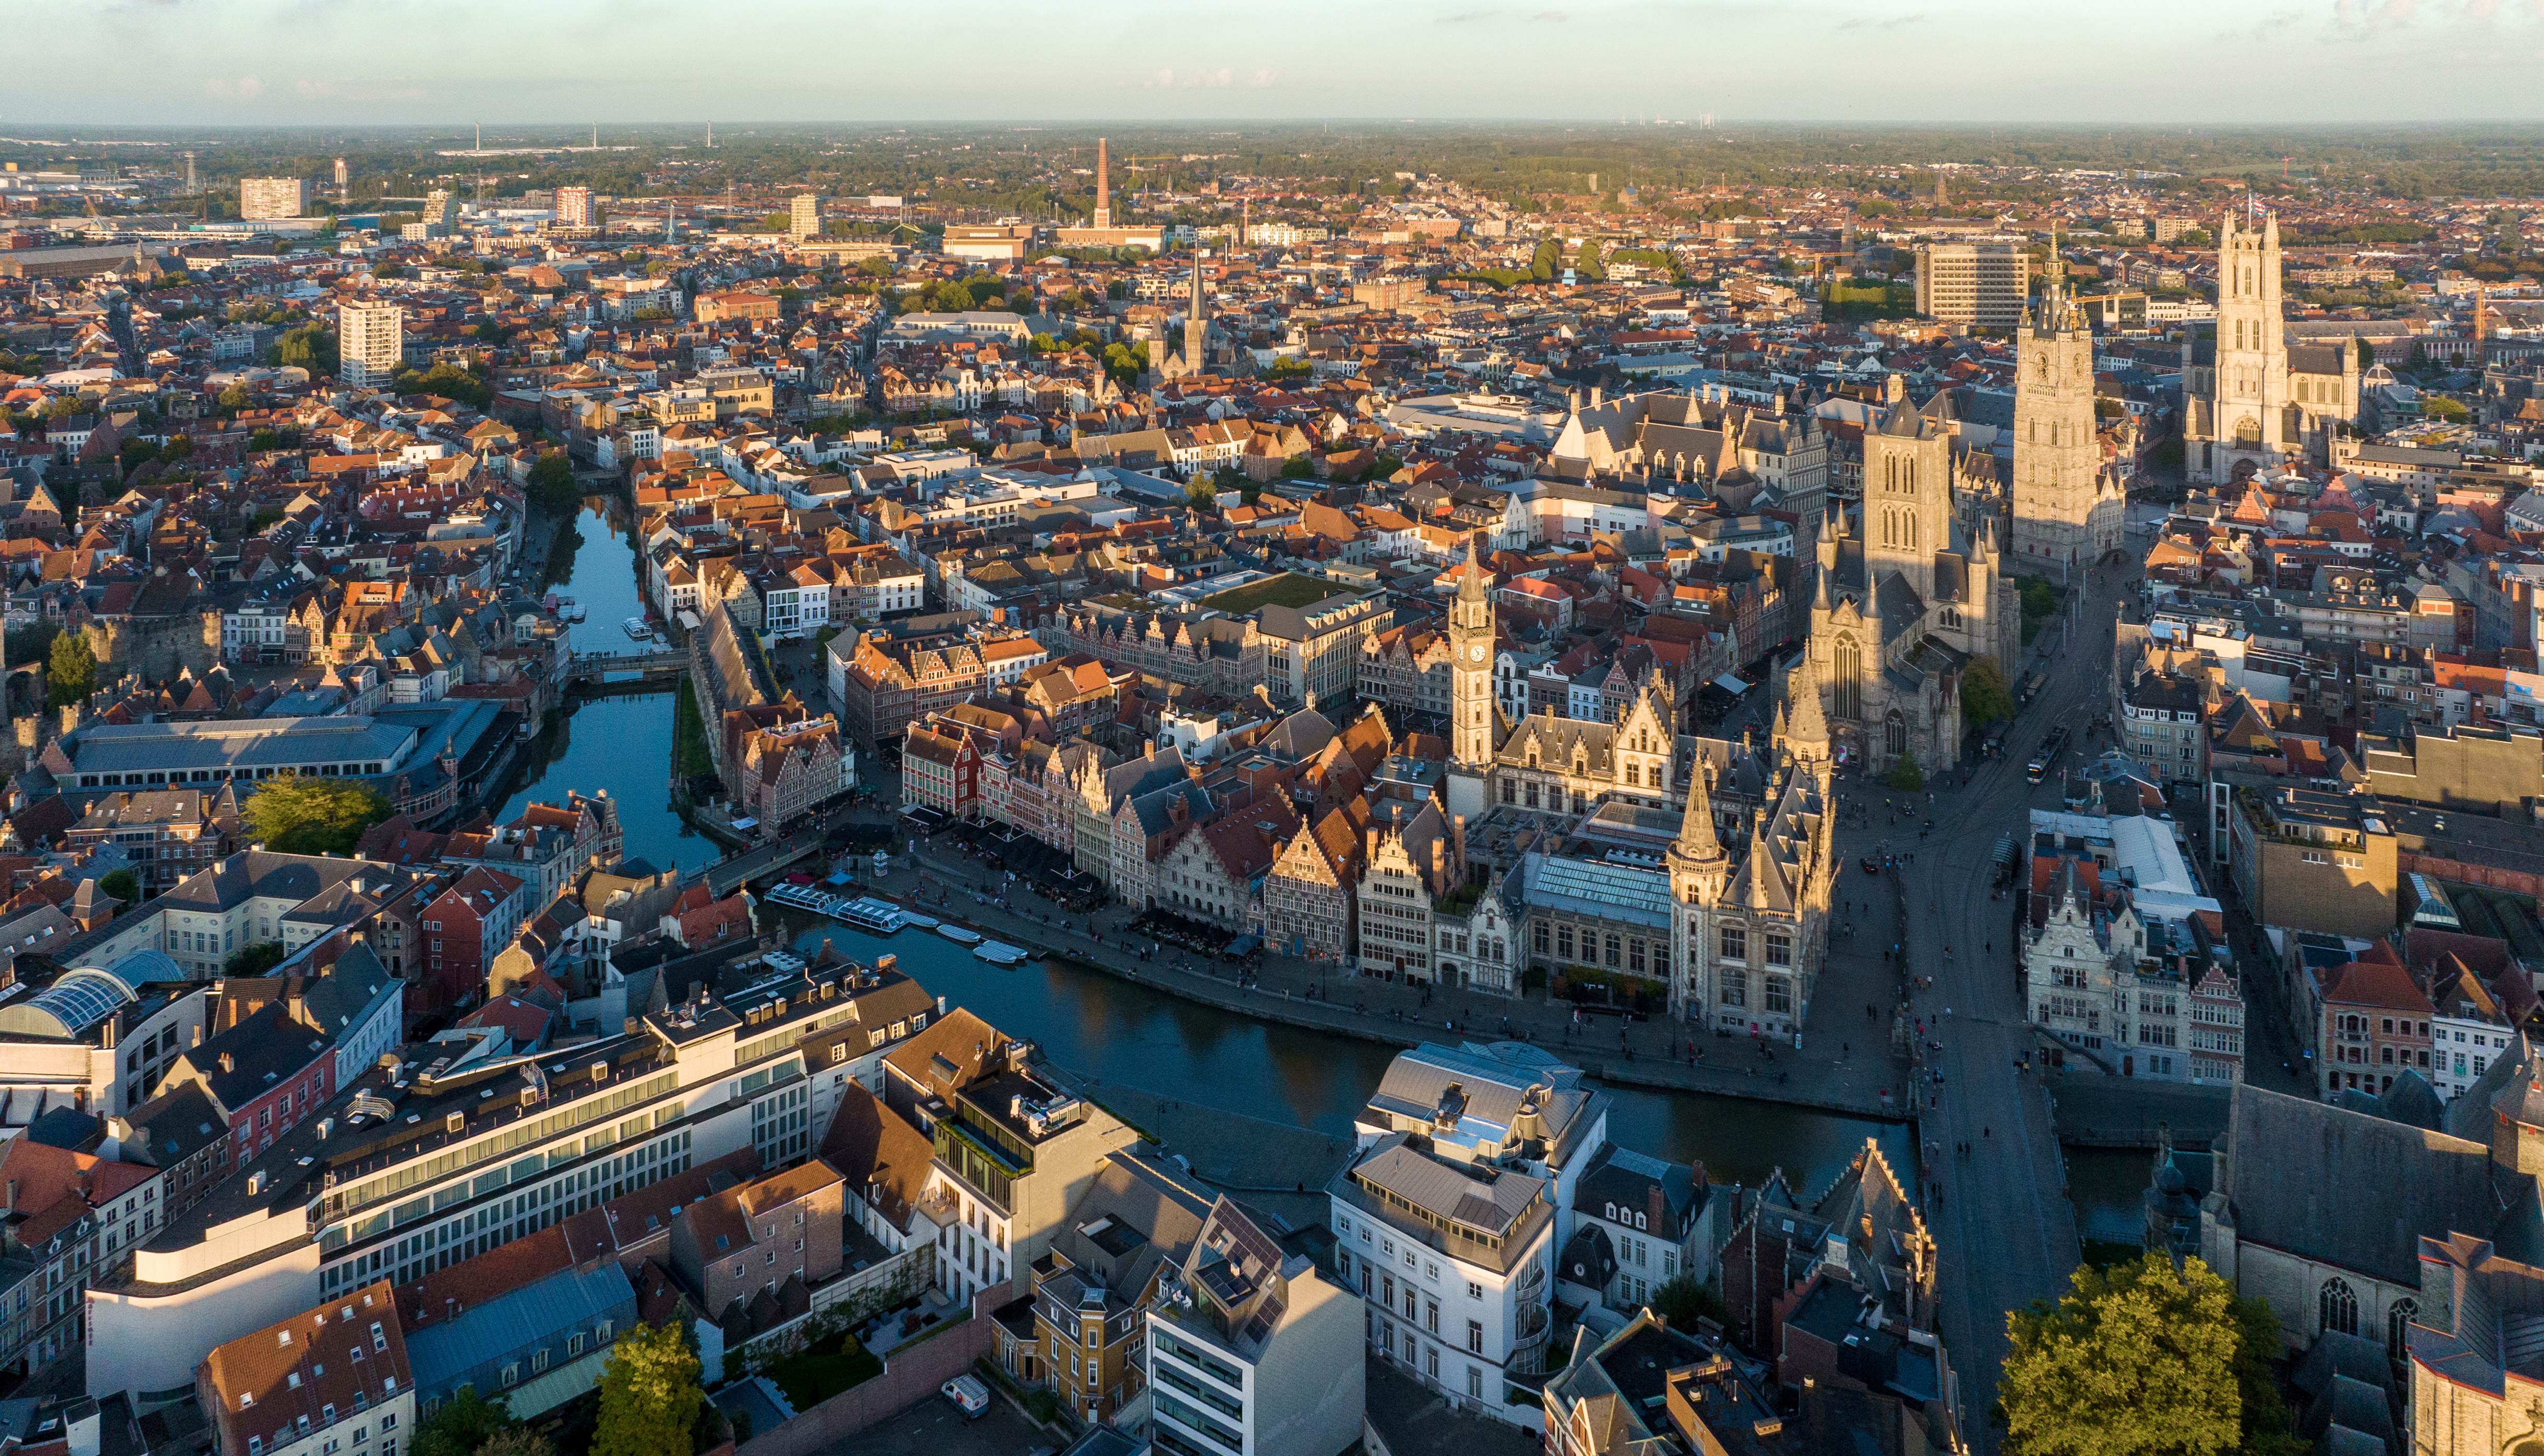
x=1286 y=589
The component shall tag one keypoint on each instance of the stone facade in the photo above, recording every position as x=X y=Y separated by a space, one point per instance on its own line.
x=1899 y=611
x=2068 y=508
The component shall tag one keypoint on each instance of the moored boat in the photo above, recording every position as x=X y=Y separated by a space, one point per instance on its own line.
x=959 y=935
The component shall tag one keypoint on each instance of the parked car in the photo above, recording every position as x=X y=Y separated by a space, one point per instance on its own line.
x=969 y=1396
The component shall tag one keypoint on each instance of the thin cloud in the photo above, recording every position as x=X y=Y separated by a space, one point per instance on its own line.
x=241 y=87
x=1548 y=18
x=1892 y=24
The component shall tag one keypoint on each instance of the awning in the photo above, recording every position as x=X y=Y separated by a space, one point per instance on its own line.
x=1731 y=685
x=2003 y=851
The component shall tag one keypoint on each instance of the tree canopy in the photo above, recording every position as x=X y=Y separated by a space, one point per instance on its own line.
x=552 y=486
x=307 y=814
x=70 y=672
x=2142 y=1360
x=649 y=1394
x=465 y=1424
x=1985 y=696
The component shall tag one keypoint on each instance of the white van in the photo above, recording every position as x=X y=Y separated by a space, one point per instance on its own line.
x=969 y=1396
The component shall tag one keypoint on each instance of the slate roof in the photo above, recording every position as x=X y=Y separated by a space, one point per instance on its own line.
x=2285 y=1157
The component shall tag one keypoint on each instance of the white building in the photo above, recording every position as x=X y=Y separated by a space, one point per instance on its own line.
x=1455 y=1259
x=370 y=341
x=274 y=196
x=1251 y=1351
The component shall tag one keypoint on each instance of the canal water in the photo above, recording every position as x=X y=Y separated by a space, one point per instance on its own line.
x=1100 y=1026
x=618 y=741
x=1087 y=1022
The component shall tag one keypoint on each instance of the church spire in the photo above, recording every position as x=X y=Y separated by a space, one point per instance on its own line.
x=1805 y=735
x=1471 y=585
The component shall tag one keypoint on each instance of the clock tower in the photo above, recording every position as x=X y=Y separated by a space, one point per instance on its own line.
x=1471 y=714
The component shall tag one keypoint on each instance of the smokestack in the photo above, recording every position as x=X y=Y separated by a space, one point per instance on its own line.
x=1104 y=185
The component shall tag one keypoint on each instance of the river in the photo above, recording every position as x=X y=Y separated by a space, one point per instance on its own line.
x=1086 y=1021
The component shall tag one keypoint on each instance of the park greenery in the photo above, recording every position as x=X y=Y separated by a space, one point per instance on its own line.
x=2141 y=1360
x=254 y=959
x=312 y=814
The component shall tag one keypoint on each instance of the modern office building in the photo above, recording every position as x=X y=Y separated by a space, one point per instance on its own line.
x=370 y=341
x=1982 y=284
x=805 y=217
x=412 y=1170
x=274 y=196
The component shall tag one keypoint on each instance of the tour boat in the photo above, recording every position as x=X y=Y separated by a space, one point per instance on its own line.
x=959 y=935
x=638 y=629
x=804 y=897
x=1000 y=953
x=916 y=922
x=872 y=916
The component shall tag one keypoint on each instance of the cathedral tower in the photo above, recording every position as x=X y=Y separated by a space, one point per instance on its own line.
x=2057 y=456
x=2234 y=384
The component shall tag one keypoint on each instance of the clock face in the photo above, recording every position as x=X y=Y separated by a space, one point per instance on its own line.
x=1476 y=653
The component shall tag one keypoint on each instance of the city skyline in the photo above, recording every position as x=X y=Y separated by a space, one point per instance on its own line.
x=269 y=62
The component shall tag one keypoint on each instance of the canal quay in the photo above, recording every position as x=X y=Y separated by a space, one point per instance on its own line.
x=1173 y=1058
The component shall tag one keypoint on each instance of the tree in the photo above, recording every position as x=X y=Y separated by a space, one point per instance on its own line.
x=1684 y=1300
x=310 y=347
x=254 y=959
x=1986 y=698
x=649 y=1395
x=2439 y=407
x=72 y=671
x=2141 y=1360
x=2366 y=353
x=516 y=1440
x=465 y=1423
x=308 y=814
x=952 y=298
x=1202 y=493
x=1905 y=775
x=552 y=488
x=1541 y=267
x=124 y=885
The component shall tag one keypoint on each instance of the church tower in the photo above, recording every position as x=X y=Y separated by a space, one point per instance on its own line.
x=1471 y=714
x=1907 y=494
x=1197 y=325
x=1698 y=870
x=2057 y=458
x=2238 y=392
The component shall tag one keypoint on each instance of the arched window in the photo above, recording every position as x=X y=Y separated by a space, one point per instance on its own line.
x=1633 y=776
x=2247 y=433
x=1898 y=734
x=2398 y=1326
x=1848 y=672
x=2339 y=1308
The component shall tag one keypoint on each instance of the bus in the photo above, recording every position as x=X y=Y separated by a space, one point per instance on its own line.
x=2047 y=759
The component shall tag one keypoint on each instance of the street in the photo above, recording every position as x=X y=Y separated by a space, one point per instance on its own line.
x=1994 y=1180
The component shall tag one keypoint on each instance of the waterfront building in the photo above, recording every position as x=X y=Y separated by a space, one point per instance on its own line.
x=1640 y=1222
x=1249 y=1350
x=1013 y=1150
x=1453 y=1254
x=420 y=757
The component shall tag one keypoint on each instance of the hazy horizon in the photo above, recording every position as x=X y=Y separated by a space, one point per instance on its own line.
x=340 y=64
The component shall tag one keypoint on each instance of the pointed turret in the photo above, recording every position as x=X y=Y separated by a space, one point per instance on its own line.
x=1805 y=735
x=1696 y=841
x=1470 y=587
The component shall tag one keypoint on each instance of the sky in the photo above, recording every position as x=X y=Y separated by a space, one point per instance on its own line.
x=405 y=62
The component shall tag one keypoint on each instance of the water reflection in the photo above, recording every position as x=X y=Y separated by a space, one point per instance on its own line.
x=1098 y=1026
x=616 y=741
